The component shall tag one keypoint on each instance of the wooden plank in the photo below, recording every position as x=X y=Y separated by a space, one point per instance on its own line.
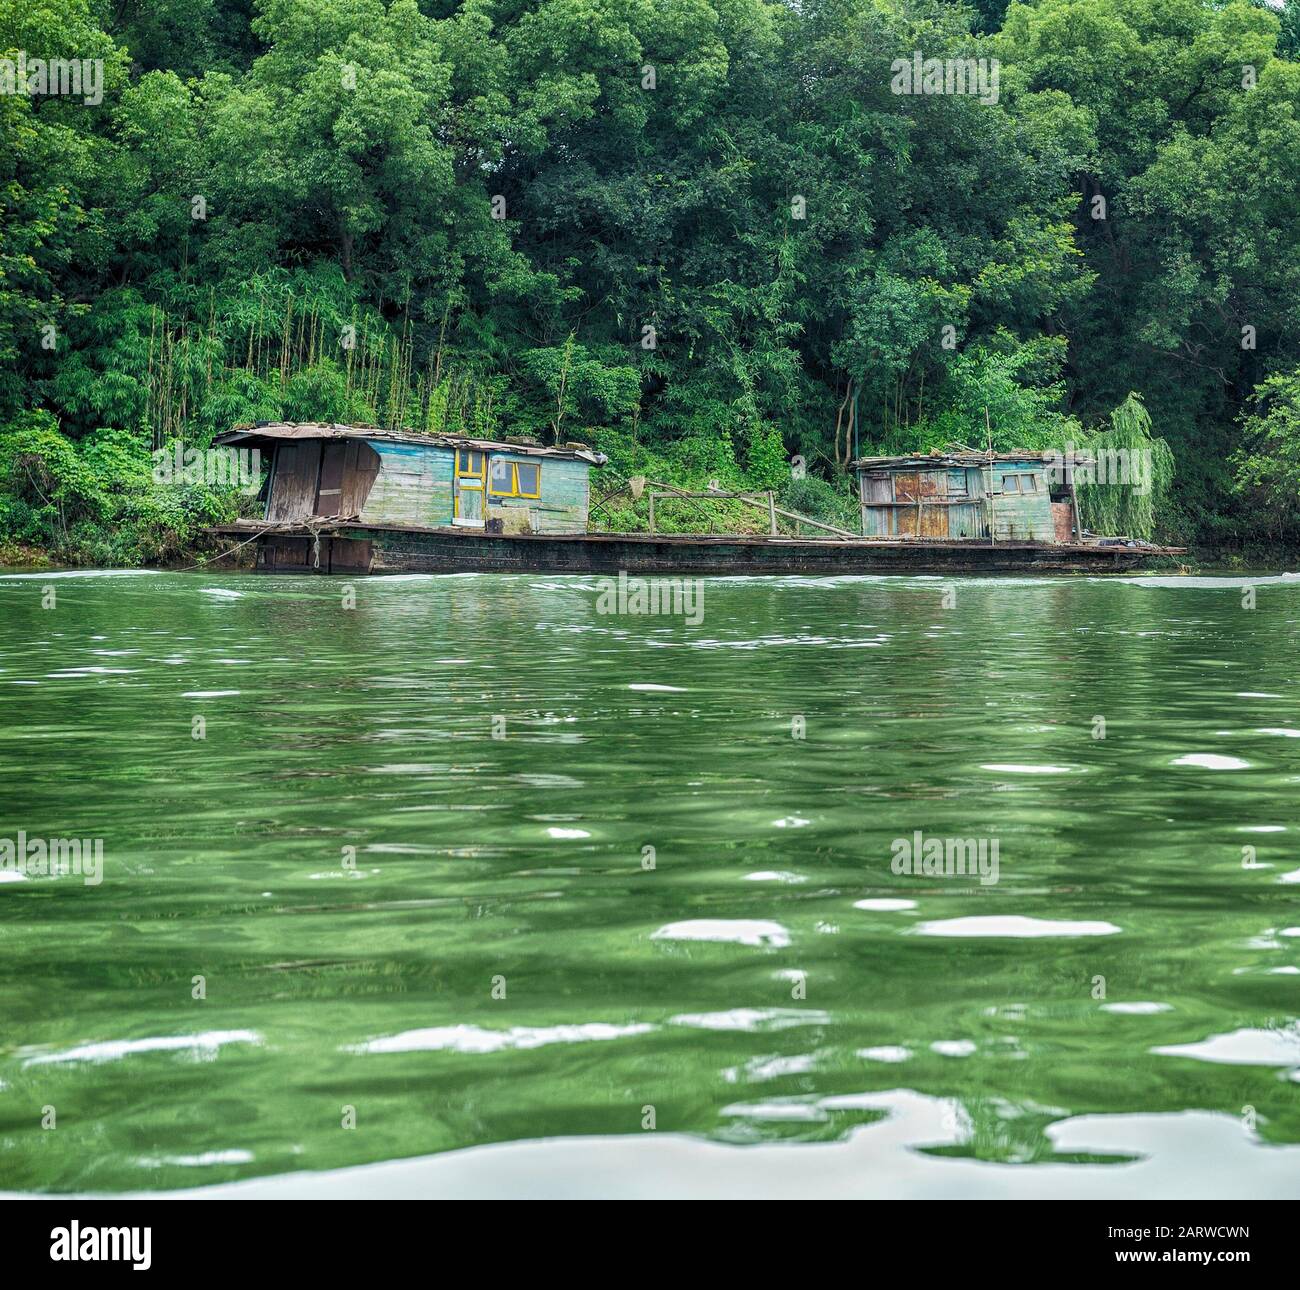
x=350 y=555
x=293 y=553
x=297 y=469
x=413 y=485
x=329 y=494
x=449 y=550
x=877 y=488
x=966 y=520
x=359 y=475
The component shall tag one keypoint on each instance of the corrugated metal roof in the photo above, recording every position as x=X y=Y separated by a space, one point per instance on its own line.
x=939 y=460
x=268 y=432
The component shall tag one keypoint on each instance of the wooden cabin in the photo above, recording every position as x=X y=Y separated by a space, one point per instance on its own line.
x=396 y=479
x=954 y=496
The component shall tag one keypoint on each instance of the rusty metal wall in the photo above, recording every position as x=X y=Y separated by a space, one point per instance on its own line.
x=890 y=498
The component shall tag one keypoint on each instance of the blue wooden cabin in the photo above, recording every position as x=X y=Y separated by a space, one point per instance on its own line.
x=404 y=480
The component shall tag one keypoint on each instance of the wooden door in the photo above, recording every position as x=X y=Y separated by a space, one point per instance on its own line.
x=469 y=503
x=329 y=492
x=297 y=475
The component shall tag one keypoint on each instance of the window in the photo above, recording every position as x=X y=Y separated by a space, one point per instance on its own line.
x=515 y=478
x=528 y=479
x=501 y=477
x=1024 y=483
x=469 y=463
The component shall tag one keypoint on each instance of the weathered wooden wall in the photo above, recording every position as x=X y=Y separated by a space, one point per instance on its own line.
x=413 y=485
x=966 y=519
x=1021 y=517
x=1063 y=521
x=360 y=467
x=562 y=507
x=323 y=478
x=404 y=483
x=293 y=487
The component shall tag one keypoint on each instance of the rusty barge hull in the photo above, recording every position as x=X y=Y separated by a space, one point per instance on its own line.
x=352 y=548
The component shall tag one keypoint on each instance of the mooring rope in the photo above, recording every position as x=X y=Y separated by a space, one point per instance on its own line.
x=315 y=530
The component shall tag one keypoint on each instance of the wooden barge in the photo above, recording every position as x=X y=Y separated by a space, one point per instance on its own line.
x=348 y=500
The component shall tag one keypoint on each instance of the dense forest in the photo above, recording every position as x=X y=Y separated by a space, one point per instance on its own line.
x=704 y=236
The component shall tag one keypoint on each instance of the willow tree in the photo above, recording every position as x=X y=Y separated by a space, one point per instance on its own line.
x=1124 y=491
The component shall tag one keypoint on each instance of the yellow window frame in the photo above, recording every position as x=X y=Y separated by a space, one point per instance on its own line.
x=463 y=471
x=494 y=491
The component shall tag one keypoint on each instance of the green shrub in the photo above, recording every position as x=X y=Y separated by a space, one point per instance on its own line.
x=821 y=500
x=95 y=501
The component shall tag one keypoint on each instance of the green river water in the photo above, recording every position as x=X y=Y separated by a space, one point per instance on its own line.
x=488 y=892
